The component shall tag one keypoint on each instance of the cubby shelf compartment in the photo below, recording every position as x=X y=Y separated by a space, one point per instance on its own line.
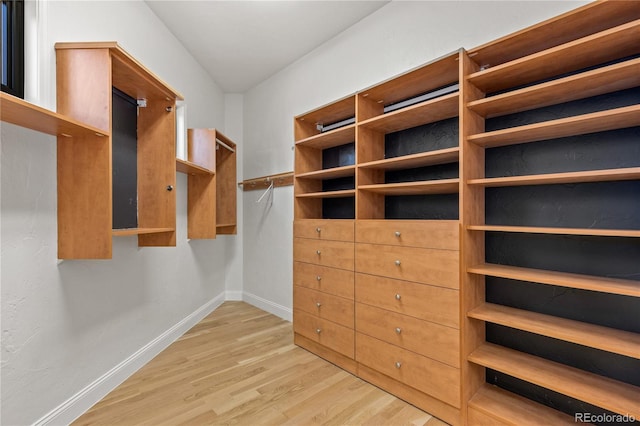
x=564 y=279
x=497 y=406
x=585 y=334
x=330 y=139
x=630 y=173
x=592 y=50
x=328 y=194
x=25 y=114
x=333 y=173
x=442 y=186
x=612 y=78
x=601 y=121
x=140 y=231
x=422 y=159
x=631 y=233
x=190 y=168
x=600 y=391
x=426 y=112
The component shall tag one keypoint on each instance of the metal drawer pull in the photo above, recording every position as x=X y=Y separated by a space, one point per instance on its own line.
x=318 y=330
x=397 y=263
x=398 y=234
x=398 y=297
x=398 y=330
x=318 y=252
x=318 y=230
x=318 y=278
x=398 y=364
x=318 y=304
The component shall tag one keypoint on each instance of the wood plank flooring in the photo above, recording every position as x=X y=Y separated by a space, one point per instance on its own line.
x=239 y=366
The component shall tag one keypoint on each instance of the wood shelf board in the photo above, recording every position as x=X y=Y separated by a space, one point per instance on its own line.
x=438 y=73
x=25 y=114
x=630 y=173
x=617 y=118
x=225 y=225
x=442 y=186
x=600 y=391
x=585 y=334
x=329 y=194
x=335 y=111
x=415 y=115
x=428 y=158
x=509 y=408
x=190 y=168
x=340 y=136
x=335 y=172
x=631 y=233
x=129 y=75
x=140 y=231
x=564 y=279
x=591 y=50
x=596 y=82
x=576 y=23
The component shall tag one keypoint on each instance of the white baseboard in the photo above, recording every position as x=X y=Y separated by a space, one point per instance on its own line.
x=233 y=295
x=269 y=306
x=79 y=403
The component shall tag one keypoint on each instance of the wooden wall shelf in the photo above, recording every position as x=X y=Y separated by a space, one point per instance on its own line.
x=190 y=168
x=140 y=231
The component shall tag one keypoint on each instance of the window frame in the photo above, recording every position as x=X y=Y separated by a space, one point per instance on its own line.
x=13 y=54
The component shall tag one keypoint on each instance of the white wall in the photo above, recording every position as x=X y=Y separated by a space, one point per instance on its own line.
x=400 y=36
x=65 y=324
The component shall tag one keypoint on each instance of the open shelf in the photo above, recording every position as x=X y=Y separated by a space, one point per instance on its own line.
x=442 y=186
x=612 y=78
x=190 y=168
x=632 y=233
x=630 y=173
x=564 y=279
x=426 y=112
x=328 y=194
x=592 y=50
x=422 y=159
x=25 y=114
x=601 y=121
x=504 y=407
x=335 y=172
x=600 y=391
x=140 y=231
x=585 y=334
x=331 y=138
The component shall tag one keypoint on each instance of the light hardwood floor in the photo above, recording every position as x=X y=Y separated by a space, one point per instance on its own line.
x=239 y=366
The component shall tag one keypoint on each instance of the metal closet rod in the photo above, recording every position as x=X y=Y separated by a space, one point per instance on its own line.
x=219 y=142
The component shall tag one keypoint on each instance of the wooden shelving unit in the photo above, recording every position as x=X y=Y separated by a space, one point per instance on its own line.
x=226 y=191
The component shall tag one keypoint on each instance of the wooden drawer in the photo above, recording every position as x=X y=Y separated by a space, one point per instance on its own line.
x=430 y=303
x=324 y=305
x=429 y=266
x=322 y=278
x=424 y=374
x=324 y=229
x=426 y=338
x=437 y=234
x=336 y=254
x=334 y=336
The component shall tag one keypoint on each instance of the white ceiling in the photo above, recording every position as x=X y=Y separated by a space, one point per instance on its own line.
x=242 y=43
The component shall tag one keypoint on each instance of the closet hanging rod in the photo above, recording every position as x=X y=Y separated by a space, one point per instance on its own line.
x=219 y=142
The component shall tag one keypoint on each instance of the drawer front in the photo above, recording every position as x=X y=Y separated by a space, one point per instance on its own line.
x=324 y=332
x=426 y=338
x=336 y=254
x=322 y=278
x=324 y=305
x=430 y=303
x=437 y=234
x=431 y=377
x=429 y=266
x=327 y=229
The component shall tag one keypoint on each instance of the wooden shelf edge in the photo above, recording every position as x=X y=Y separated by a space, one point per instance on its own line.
x=631 y=233
x=629 y=173
x=190 y=168
x=428 y=158
x=334 y=172
x=25 y=114
x=441 y=186
x=331 y=138
x=225 y=225
x=564 y=279
x=600 y=391
x=329 y=194
x=508 y=408
x=585 y=334
x=140 y=231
